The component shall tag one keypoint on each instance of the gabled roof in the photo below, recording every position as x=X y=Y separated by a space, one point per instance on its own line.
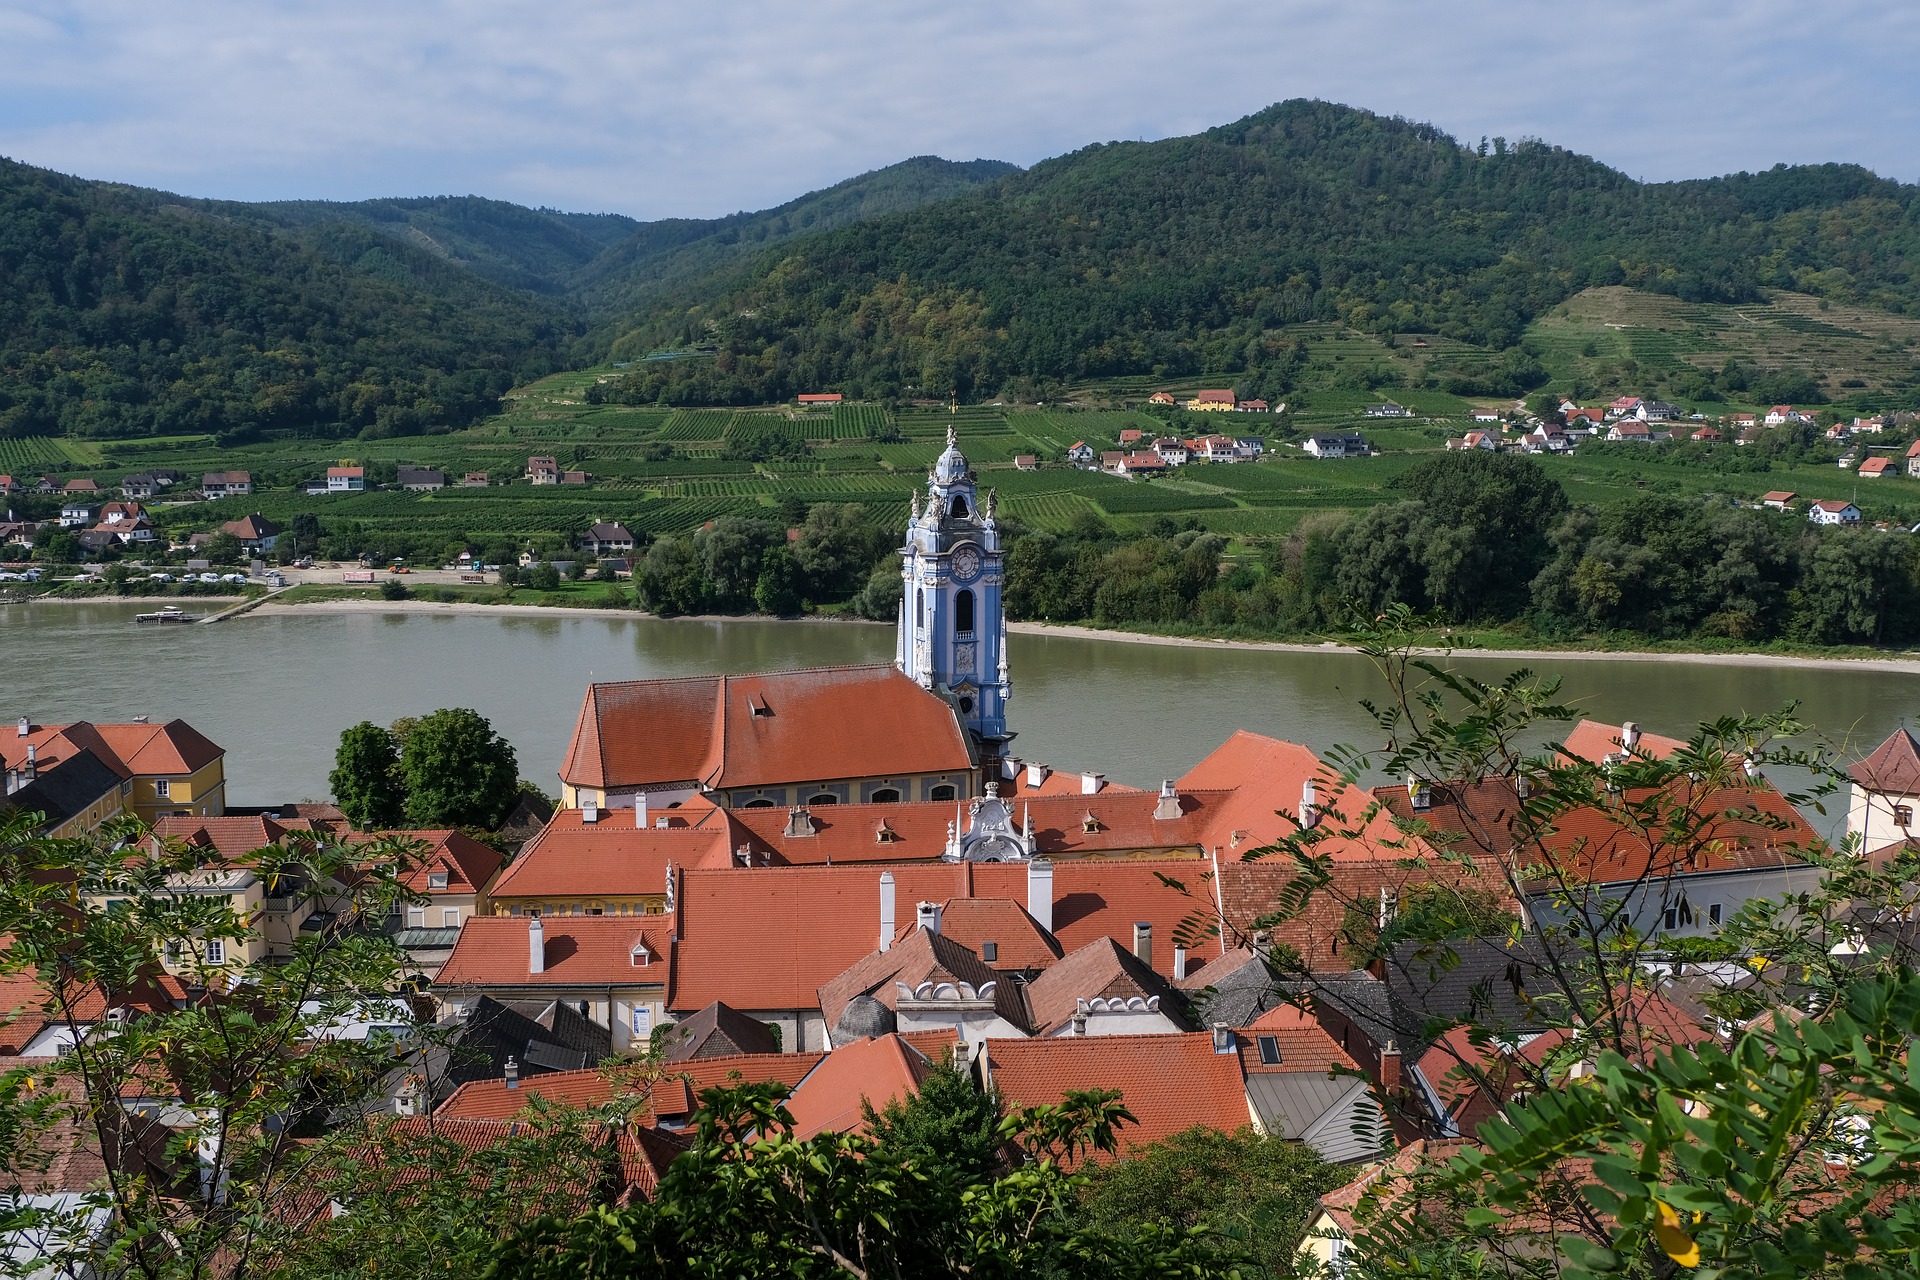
x=251 y=528
x=170 y=749
x=834 y=1095
x=719 y=1030
x=1018 y=940
x=1893 y=768
x=1593 y=742
x=231 y=837
x=65 y=790
x=605 y=532
x=611 y=857
x=1260 y=776
x=469 y=864
x=674 y=1095
x=1102 y=969
x=1169 y=1082
x=918 y=958
x=494 y=951
x=1303 y=1044
x=769 y=729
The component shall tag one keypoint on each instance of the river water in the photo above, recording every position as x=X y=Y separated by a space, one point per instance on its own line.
x=276 y=691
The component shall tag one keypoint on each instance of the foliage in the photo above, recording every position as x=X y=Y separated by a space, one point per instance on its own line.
x=751 y=1200
x=1257 y=1192
x=948 y=1126
x=366 y=781
x=458 y=771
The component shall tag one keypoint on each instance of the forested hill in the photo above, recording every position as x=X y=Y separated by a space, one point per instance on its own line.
x=127 y=312
x=1190 y=254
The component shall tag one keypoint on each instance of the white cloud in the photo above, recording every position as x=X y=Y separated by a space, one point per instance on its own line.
x=657 y=109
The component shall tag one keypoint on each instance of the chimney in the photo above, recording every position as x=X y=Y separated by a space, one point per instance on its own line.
x=1037 y=774
x=140 y=719
x=536 y=945
x=799 y=822
x=1169 y=805
x=589 y=812
x=1090 y=783
x=640 y=811
x=1418 y=795
x=930 y=916
x=25 y=726
x=989 y=951
x=512 y=1074
x=31 y=769
x=1309 y=807
x=1143 y=942
x=1079 y=1018
x=1629 y=735
x=1179 y=964
x=886 y=911
x=1040 y=892
x=1222 y=1038
x=1389 y=1069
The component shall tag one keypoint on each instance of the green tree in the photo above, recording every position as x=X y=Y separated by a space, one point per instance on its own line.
x=671 y=579
x=779 y=588
x=837 y=547
x=458 y=771
x=222 y=548
x=366 y=780
x=949 y=1125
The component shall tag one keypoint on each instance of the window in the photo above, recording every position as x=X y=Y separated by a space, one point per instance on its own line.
x=942 y=792
x=758 y=802
x=1903 y=815
x=162 y=788
x=173 y=950
x=1713 y=912
x=450 y=918
x=216 y=950
x=416 y=917
x=533 y=911
x=885 y=795
x=963 y=613
x=640 y=956
x=959 y=507
x=437 y=879
x=1269 y=1050
x=920 y=607
x=966 y=706
x=596 y=911
x=825 y=797
x=1678 y=916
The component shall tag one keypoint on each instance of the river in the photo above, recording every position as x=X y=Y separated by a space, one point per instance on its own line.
x=276 y=691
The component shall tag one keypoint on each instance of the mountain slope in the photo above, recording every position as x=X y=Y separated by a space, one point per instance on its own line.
x=1194 y=253
x=126 y=312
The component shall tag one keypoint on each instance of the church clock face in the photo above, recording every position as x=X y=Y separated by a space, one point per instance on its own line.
x=966 y=562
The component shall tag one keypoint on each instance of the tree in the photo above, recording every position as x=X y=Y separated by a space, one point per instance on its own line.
x=222 y=548
x=366 y=780
x=458 y=771
x=671 y=580
x=1260 y=1192
x=948 y=1125
x=837 y=547
x=779 y=588
x=730 y=551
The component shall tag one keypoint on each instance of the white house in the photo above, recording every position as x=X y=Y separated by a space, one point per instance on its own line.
x=1080 y=451
x=346 y=479
x=1346 y=444
x=1885 y=794
x=1486 y=415
x=1833 y=511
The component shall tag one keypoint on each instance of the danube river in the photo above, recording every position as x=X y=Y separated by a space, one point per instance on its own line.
x=277 y=690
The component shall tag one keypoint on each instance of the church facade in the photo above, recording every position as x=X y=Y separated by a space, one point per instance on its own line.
x=929 y=727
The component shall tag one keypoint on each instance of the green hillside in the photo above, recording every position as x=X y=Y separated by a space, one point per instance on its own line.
x=1198 y=254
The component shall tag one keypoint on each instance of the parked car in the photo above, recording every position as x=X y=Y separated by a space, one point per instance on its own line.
x=12 y=577
x=233 y=577
x=209 y=577
x=159 y=577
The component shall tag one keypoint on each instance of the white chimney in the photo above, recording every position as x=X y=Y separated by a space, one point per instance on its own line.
x=640 y=811
x=1222 y=1038
x=1629 y=735
x=1037 y=774
x=886 y=911
x=1090 y=783
x=1169 y=802
x=1309 y=806
x=25 y=726
x=1080 y=1017
x=1179 y=964
x=1040 y=892
x=536 y=946
x=1418 y=795
x=930 y=916
x=1143 y=941
x=589 y=812
x=512 y=1074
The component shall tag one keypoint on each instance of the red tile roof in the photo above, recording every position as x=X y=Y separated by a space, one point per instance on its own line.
x=233 y=838
x=1019 y=941
x=1169 y=1082
x=674 y=1095
x=1213 y=397
x=1593 y=741
x=172 y=749
x=919 y=957
x=1893 y=768
x=469 y=864
x=1303 y=1043
x=493 y=951
x=835 y=1094
x=763 y=730
x=1100 y=970
x=1874 y=466
x=611 y=858
x=1264 y=775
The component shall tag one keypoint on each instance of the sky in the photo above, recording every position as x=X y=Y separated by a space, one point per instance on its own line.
x=700 y=109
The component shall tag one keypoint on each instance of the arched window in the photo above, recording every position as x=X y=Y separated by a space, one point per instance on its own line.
x=959 y=507
x=942 y=792
x=758 y=802
x=885 y=795
x=825 y=797
x=963 y=612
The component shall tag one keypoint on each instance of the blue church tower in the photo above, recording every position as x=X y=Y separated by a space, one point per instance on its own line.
x=953 y=632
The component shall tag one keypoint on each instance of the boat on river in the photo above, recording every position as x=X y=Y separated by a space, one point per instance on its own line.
x=171 y=613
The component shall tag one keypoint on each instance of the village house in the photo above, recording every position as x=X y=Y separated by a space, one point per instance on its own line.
x=1913 y=459
x=346 y=479
x=1487 y=440
x=1080 y=451
x=1870 y=426
x=1781 y=414
x=1213 y=401
x=46 y=485
x=1173 y=452
x=1631 y=431
x=1546 y=439
x=420 y=479
x=1741 y=421
x=1656 y=411
x=474 y=480
x=1707 y=435
x=1249 y=448
x=1162 y=397
x=1143 y=463
x=1623 y=407
x=168 y=768
x=1874 y=468
x=139 y=486
x=1749 y=435
x=608 y=539
x=9 y=485
x=1113 y=461
x=543 y=470
x=75 y=794
x=613 y=969
x=1345 y=444
x=1388 y=410
x=1486 y=415
x=825 y=398
x=257 y=534
x=1025 y=462
x=1833 y=511
x=1778 y=499
x=77 y=512
x=1132 y=435
x=84 y=487
x=574 y=477
x=1213 y=449
x=1252 y=406
x=226 y=484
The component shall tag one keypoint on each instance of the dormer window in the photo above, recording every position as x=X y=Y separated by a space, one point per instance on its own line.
x=1089 y=824
x=640 y=956
x=886 y=834
x=1269 y=1050
x=757 y=705
x=437 y=879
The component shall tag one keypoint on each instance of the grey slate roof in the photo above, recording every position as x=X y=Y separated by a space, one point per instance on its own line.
x=65 y=790
x=718 y=1030
x=1335 y=1115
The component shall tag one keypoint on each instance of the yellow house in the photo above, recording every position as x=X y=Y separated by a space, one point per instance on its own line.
x=75 y=796
x=1213 y=402
x=170 y=768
